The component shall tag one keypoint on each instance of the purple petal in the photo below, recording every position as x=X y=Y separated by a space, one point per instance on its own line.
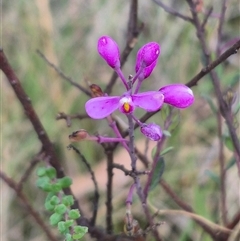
x=177 y=95
x=146 y=71
x=147 y=54
x=101 y=107
x=109 y=51
x=149 y=101
x=152 y=131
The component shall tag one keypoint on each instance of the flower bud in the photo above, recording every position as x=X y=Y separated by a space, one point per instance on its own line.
x=78 y=135
x=152 y=131
x=109 y=51
x=146 y=71
x=147 y=54
x=96 y=90
x=177 y=95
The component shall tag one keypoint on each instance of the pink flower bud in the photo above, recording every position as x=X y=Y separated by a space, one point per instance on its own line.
x=152 y=131
x=147 y=54
x=146 y=71
x=109 y=51
x=177 y=95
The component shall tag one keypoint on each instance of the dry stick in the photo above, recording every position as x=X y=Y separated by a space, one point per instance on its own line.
x=220 y=26
x=219 y=120
x=63 y=75
x=96 y=190
x=232 y=50
x=173 y=11
x=109 y=206
x=133 y=31
x=207 y=15
x=28 y=206
x=29 y=170
x=68 y=118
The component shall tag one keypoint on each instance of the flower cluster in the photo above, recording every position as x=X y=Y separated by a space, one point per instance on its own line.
x=177 y=95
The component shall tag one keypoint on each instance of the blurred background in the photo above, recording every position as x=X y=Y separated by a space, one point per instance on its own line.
x=66 y=32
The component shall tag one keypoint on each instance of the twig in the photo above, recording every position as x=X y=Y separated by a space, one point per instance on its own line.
x=173 y=11
x=129 y=172
x=222 y=170
x=234 y=222
x=232 y=50
x=109 y=155
x=28 y=171
x=68 y=118
x=96 y=190
x=62 y=75
x=207 y=15
x=28 y=206
x=220 y=26
x=133 y=31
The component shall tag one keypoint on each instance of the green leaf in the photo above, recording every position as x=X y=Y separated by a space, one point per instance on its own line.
x=68 y=237
x=210 y=102
x=68 y=200
x=51 y=172
x=41 y=171
x=44 y=183
x=63 y=229
x=214 y=177
x=54 y=200
x=55 y=219
x=228 y=142
x=48 y=206
x=74 y=214
x=166 y=150
x=166 y=133
x=60 y=209
x=157 y=173
x=69 y=223
x=79 y=232
x=65 y=182
x=56 y=187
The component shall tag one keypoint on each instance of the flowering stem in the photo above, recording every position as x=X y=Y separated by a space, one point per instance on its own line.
x=138 y=86
x=137 y=74
x=113 y=125
x=131 y=142
x=120 y=74
x=103 y=139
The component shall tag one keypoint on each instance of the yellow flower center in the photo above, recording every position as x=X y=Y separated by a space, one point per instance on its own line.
x=126 y=107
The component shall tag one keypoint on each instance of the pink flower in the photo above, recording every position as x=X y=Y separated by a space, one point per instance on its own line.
x=101 y=107
x=177 y=95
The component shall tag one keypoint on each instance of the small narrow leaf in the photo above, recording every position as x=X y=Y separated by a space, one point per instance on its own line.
x=157 y=173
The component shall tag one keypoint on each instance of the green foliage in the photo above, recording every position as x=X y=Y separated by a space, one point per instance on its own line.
x=158 y=172
x=74 y=214
x=60 y=204
x=65 y=182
